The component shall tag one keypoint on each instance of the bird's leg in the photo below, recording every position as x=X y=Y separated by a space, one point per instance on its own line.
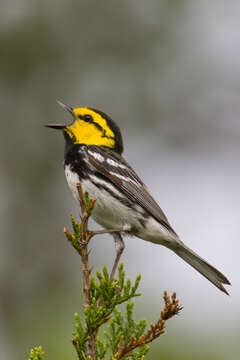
x=119 y=245
x=90 y=234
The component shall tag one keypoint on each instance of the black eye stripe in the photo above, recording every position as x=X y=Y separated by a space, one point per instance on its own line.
x=115 y=129
x=97 y=125
x=108 y=137
x=88 y=118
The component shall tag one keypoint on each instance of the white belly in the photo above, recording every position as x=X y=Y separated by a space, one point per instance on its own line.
x=108 y=211
x=112 y=214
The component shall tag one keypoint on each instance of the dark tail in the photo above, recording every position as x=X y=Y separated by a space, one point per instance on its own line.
x=207 y=270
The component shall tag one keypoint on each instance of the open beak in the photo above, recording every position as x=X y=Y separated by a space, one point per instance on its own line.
x=66 y=107
x=58 y=126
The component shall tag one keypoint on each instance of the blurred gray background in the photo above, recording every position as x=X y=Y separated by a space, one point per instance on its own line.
x=169 y=73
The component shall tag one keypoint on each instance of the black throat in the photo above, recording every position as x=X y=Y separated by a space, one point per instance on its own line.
x=74 y=157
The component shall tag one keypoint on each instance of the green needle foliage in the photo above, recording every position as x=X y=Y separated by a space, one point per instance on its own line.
x=105 y=297
x=123 y=338
x=36 y=354
x=123 y=328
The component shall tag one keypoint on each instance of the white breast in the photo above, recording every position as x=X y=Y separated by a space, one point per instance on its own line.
x=108 y=211
x=112 y=214
x=72 y=180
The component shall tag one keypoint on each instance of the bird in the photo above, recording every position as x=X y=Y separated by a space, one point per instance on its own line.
x=93 y=157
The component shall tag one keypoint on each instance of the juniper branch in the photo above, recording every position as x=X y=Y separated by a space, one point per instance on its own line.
x=171 y=309
x=102 y=295
x=126 y=338
x=80 y=244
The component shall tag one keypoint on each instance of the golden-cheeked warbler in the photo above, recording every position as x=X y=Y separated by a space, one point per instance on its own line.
x=93 y=157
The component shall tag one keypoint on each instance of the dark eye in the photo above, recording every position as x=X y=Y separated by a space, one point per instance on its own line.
x=88 y=118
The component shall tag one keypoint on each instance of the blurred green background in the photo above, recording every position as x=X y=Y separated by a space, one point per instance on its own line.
x=169 y=73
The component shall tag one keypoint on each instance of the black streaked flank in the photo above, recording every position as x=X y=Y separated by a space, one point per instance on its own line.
x=123 y=200
x=132 y=186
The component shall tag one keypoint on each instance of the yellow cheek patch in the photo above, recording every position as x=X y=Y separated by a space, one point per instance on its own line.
x=96 y=117
x=90 y=133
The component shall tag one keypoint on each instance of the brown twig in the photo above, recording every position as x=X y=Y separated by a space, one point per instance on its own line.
x=171 y=309
x=83 y=252
x=82 y=248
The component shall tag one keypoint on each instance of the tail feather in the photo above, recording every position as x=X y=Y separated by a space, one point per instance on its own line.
x=207 y=270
